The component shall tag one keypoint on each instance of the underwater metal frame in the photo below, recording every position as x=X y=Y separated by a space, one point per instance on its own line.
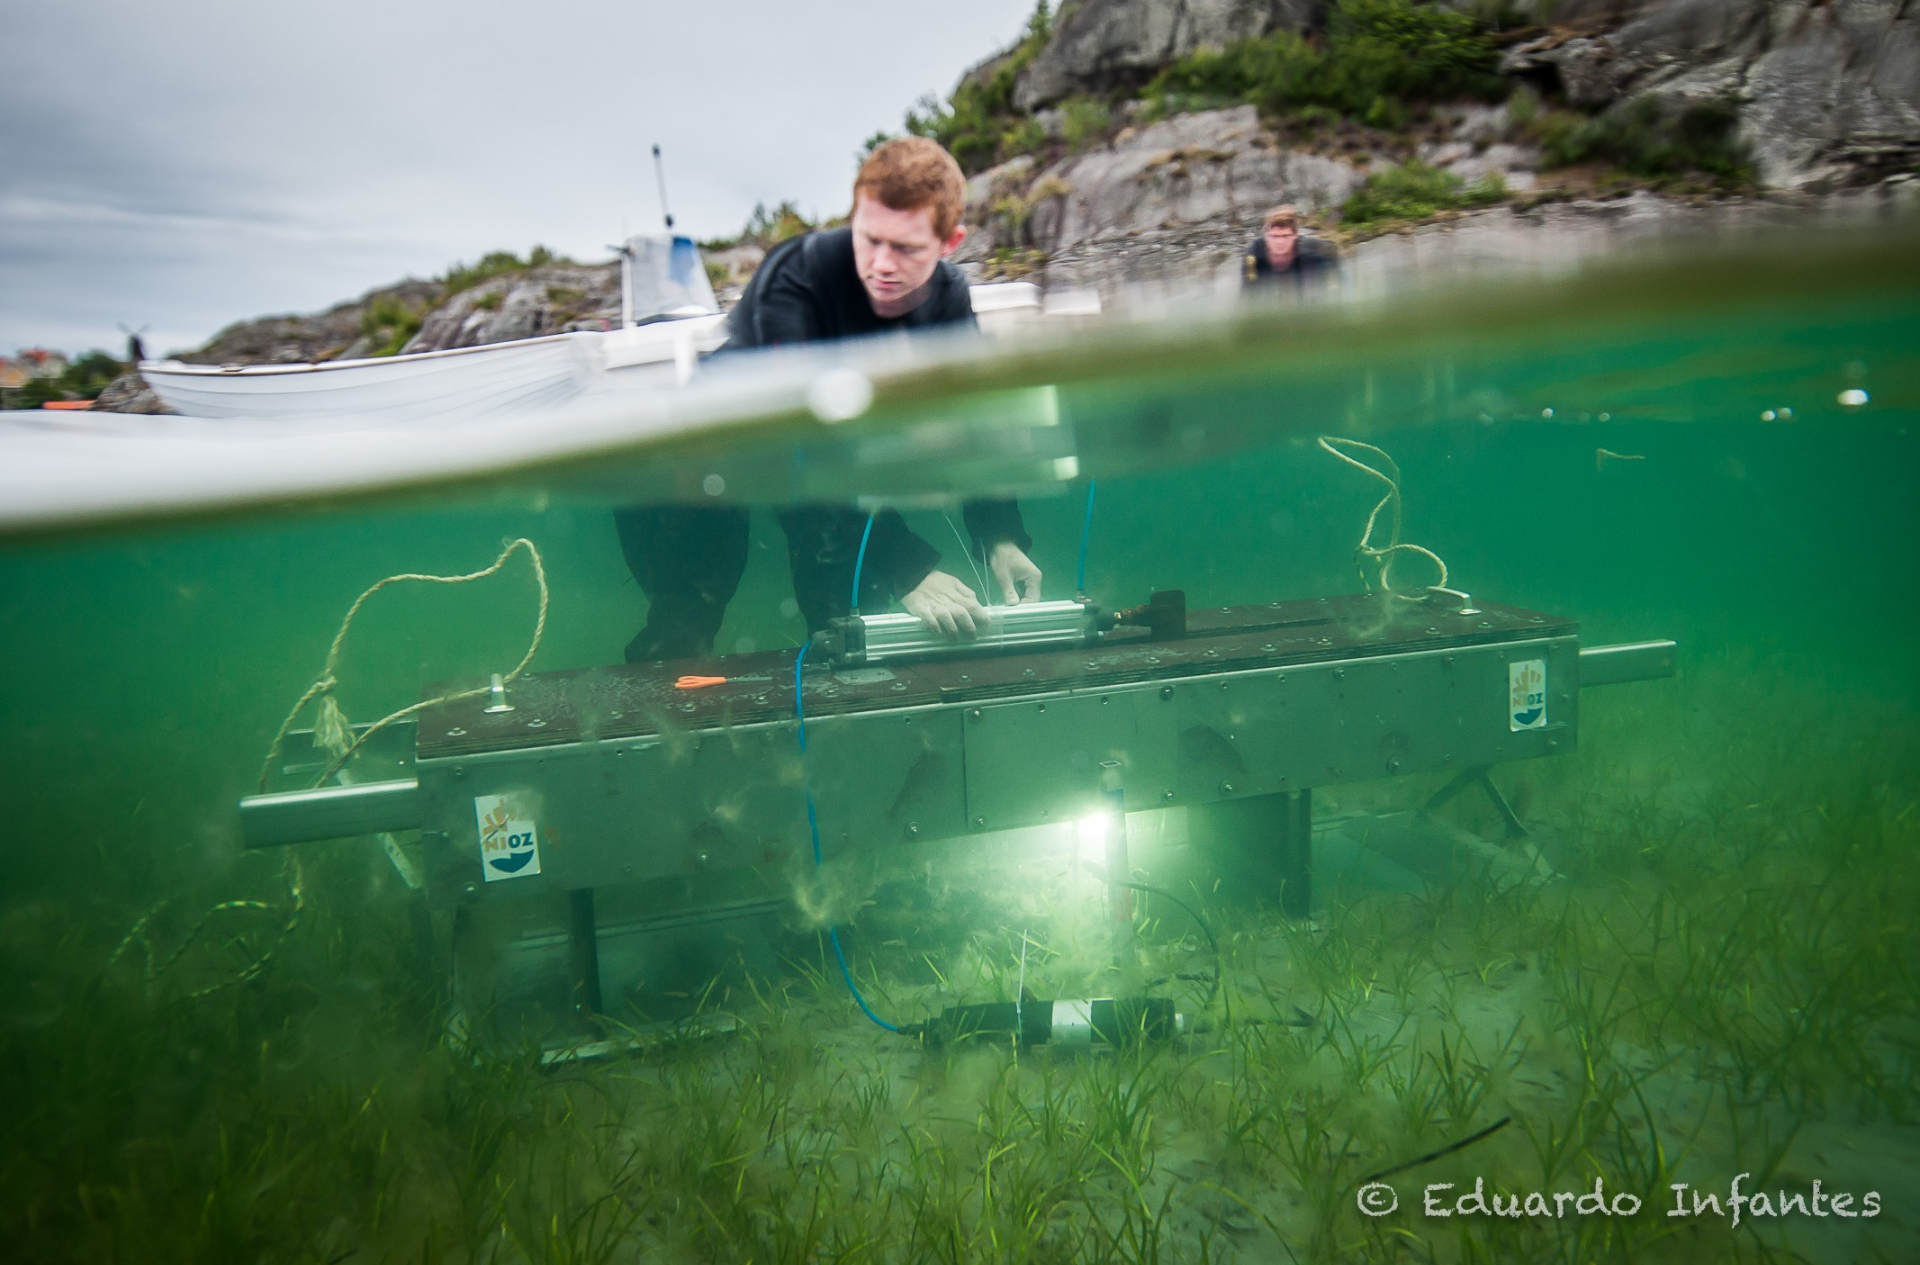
x=613 y=784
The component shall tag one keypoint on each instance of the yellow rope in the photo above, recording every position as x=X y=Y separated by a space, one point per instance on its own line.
x=1382 y=557
x=344 y=750
x=322 y=688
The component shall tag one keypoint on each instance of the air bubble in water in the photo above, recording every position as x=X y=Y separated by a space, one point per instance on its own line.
x=839 y=395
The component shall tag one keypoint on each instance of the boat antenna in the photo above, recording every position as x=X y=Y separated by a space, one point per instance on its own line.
x=660 y=174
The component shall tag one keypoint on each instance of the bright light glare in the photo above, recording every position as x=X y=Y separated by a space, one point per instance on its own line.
x=1090 y=839
x=1092 y=829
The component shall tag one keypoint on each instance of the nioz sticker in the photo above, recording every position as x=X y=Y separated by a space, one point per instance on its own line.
x=509 y=841
x=1527 y=695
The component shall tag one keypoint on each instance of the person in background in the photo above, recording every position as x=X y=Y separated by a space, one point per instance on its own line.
x=1276 y=257
x=886 y=271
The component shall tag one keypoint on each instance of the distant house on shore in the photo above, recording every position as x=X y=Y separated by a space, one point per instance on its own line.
x=34 y=362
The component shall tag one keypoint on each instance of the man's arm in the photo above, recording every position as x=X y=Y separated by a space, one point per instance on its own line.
x=897 y=560
x=784 y=313
x=779 y=305
x=1001 y=538
x=903 y=563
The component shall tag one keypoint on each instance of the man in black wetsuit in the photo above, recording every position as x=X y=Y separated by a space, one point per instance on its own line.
x=886 y=271
x=1275 y=256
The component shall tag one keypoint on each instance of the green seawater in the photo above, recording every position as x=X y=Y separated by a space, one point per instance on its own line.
x=1701 y=966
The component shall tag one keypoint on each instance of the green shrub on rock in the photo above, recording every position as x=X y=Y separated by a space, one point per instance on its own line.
x=1377 y=59
x=1645 y=138
x=1415 y=191
x=979 y=124
x=389 y=324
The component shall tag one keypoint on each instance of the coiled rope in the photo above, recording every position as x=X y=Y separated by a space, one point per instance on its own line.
x=1382 y=556
x=331 y=732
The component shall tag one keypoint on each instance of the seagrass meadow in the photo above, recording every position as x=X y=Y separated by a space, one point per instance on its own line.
x=1691 y=987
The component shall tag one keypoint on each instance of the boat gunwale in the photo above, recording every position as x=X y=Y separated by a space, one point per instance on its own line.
x=182 y=368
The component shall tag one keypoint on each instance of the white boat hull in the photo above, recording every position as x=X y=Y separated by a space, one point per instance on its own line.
x=523 y=376
x=520 y=377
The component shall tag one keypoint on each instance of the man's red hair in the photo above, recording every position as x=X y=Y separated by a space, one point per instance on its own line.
x=914 y=172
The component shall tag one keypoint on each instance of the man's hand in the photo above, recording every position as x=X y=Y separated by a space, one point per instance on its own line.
x=1010 y=566
x=945 y=605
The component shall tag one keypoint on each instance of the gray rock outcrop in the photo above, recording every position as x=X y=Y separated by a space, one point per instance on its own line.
x=550 y=299
x=1827 y=93
x=271 y=340
x=129 y=393
x=1558 y=237
x=1098 y=46
x=1178 y=198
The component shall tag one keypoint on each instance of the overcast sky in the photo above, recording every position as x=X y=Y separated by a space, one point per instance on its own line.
x=185 y=166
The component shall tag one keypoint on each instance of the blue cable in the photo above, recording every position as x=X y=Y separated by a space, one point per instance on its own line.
x=813 y=816
x=1086 y=530
x=859 y=559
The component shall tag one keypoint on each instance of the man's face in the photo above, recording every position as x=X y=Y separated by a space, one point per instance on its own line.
x=896 y=252
x=1281 y=239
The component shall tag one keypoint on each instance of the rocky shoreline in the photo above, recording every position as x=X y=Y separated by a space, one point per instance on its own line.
x=1826 y=99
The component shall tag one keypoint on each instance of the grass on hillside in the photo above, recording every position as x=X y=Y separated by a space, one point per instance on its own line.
x=1414 y=191
x=1378 y=62
x=496 y=263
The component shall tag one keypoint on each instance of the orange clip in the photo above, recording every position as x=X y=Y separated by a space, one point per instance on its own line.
x=698 y=682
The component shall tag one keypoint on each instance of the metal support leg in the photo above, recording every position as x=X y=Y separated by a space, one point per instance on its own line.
x=432 y=971
x=1479 y=775
x=1269 y=834
x=1119 y=899
x=1296 y=855
x=583 y=938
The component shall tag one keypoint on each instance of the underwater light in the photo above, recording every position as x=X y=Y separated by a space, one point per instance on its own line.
x=1090 y=835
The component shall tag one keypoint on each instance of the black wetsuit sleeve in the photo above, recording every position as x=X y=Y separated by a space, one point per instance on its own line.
x=785 y=313
x=897 y=560
x=992 y=520
x=780 y=305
